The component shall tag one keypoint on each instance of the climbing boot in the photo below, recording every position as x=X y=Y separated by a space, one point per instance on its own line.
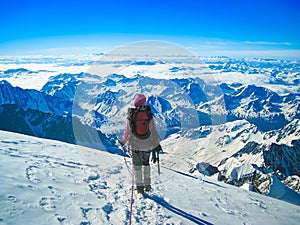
x=140 y=189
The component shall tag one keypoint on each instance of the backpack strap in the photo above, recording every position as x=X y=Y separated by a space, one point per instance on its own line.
x=148 y=111
x=146 y=108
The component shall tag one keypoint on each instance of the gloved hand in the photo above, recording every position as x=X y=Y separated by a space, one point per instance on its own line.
x=158 y=148
x=154 y=158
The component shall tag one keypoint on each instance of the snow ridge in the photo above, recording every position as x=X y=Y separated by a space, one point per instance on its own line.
x=41 y=184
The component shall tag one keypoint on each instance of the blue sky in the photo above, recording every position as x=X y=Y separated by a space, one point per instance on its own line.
x=207 y=25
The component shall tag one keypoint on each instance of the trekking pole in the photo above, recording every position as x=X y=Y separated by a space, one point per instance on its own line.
x=158 y=166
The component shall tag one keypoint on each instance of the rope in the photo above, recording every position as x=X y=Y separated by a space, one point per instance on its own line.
x=131 y=198
x=127 y=166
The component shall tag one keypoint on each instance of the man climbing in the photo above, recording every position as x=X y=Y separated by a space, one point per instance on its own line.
x=142 y=138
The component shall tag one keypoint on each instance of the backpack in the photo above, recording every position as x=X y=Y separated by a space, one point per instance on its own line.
x=139 y=119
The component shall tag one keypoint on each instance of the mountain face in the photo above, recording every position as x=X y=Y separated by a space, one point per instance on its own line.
x=174 y=106
x=260 y=106
x=179 y=103
x=260 y=163
x=91 y=110
x=36 y=123
x=186 y=103
x=283 y=158
x=33 y=99
x=36 y=113
x=62 y=86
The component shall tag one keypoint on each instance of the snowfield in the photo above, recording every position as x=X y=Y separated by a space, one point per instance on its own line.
x=50 y=182
x=234 y=119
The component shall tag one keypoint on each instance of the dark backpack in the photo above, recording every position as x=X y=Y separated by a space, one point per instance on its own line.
x=139 y=119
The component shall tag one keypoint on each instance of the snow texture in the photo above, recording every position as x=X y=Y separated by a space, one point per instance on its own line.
x=51 y=182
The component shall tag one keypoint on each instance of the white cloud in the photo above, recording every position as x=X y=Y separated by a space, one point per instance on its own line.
x=276 y=54
x=266 y=43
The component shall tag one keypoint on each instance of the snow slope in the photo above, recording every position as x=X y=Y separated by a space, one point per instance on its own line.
x=51 y=182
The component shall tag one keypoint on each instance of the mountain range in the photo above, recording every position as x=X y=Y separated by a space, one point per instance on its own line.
x=249 y=132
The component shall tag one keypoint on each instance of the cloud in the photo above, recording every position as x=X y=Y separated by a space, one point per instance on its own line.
x=276 y=54
x=266 y=43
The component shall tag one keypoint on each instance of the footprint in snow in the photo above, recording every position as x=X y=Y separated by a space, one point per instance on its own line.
x=31 y=172
x=48 y=204
x=12 y=198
